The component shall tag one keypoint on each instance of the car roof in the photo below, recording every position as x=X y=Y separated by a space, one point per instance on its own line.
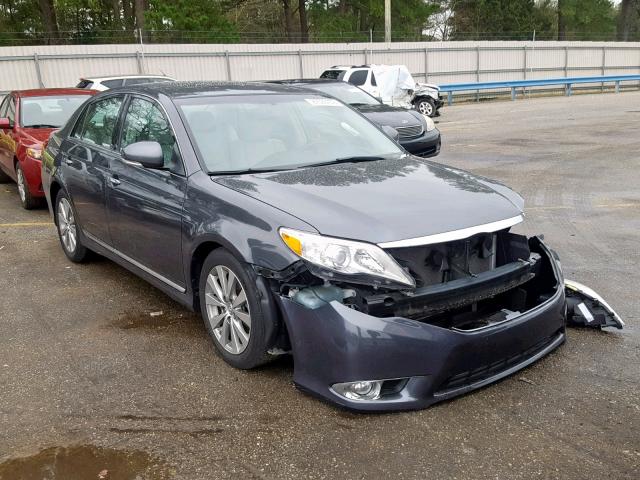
x=45 y=92
x=309 y=81
x=118 y=77
x=193 y=89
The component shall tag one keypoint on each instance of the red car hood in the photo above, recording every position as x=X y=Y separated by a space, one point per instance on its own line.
x=39 y=135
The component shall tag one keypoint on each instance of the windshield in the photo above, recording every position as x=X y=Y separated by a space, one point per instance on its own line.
x=345 y=93
x=50 y=111
x=279 y=132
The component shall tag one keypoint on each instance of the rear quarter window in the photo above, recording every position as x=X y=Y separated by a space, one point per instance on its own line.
x=332 y=74
x=84 y=84
x=112 y=83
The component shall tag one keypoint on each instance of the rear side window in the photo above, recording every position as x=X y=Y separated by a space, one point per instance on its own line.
x=99 y=122
x=85 y=84
x=146 y=122
x=359 y=77
x=112 y=83
x=373 y=80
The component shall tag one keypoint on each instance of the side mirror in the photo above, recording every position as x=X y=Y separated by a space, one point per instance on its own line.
x=5 y=123
x=391 y=132
x=147 y=154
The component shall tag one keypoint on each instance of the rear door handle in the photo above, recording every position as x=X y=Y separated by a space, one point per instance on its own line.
x=114 y=181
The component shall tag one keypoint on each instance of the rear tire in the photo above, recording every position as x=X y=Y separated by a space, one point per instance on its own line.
x=4 y=178
x=426 y=106
x=232 y=311
x=68 y=229
x=27 y=201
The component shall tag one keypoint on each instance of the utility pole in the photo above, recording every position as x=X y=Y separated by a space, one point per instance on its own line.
x=387 y=21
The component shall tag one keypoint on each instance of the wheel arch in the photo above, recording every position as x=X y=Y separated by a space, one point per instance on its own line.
x=54 y=189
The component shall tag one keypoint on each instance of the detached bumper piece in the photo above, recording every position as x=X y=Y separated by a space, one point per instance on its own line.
x=399 y=353
x=585 y=308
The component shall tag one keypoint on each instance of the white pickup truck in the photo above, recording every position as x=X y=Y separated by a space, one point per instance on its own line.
x=393 y=84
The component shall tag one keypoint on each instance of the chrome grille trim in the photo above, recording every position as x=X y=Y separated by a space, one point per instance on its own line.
x=410 y=131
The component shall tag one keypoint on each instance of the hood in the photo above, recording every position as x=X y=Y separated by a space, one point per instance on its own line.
x=427 y=85
x=381 y=201
x=37 y=135
x=392 y=116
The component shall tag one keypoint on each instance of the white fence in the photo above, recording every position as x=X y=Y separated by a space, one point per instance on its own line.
x=438 y=62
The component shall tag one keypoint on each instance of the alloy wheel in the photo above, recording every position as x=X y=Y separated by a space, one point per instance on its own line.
x=67 y=226
x=425 y=108
x=22 y=188
x=227 y=309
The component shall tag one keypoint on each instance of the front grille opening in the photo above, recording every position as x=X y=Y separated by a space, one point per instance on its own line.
x=513 y=276
x=408 y=132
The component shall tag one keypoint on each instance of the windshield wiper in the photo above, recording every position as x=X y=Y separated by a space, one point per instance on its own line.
x=355 y=159
x=41 y=125
x=248 y=170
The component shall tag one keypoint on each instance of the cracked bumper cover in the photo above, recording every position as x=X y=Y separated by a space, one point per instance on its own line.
x=333 y=344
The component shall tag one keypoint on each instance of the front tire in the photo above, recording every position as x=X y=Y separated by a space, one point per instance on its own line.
x=232 y=311
x=68 y=229
x=27 y=201
x=426 y=106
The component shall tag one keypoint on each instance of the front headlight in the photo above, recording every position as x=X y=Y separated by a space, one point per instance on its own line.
x=34 y=153
x=346 y=257
x=431 y=125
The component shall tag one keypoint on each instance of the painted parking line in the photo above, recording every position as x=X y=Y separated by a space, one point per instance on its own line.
x=25 y=224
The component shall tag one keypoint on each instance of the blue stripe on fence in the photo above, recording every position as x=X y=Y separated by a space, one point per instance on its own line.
x=567 y=81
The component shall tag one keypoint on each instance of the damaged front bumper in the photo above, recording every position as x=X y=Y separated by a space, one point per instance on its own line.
x=413 y=363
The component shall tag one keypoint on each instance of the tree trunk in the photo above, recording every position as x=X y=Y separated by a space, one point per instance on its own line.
x=139 y=9
x=49 y=21
x=288 y=19
x=127 y=10
x=115 y=7
x=625 y=16
x=562 y=25
x=304 y=25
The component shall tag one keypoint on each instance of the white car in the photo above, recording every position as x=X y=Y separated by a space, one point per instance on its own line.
x=105 y=83
x=424 y=97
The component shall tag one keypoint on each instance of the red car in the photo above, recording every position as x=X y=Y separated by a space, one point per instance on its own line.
x=27 y=118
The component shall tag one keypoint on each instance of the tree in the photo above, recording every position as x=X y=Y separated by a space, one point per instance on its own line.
x=304 y=26
x=586 y=20
x=494 y=19
x=49 y=20
x=628 y=15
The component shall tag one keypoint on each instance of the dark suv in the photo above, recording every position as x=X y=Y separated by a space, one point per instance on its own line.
x=295 y=225
x=417 y=133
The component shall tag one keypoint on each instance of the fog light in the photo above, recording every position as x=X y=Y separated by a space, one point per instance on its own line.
x=362 y=390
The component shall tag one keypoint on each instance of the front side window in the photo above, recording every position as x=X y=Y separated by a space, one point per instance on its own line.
x=145 y=121
x=99 y=122
x=359 y=77
x=278 y=132
x=49 y=111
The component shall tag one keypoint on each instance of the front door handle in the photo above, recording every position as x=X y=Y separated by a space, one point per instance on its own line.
x=114 y=181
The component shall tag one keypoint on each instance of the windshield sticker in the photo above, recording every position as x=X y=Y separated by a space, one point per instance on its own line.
x=323 y=102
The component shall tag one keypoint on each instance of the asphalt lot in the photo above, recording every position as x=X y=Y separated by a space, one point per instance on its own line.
x=90 y=380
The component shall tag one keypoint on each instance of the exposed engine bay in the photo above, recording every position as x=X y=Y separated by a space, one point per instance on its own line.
x=463 y=285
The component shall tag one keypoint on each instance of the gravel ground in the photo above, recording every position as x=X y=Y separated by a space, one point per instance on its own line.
x=90 y=381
